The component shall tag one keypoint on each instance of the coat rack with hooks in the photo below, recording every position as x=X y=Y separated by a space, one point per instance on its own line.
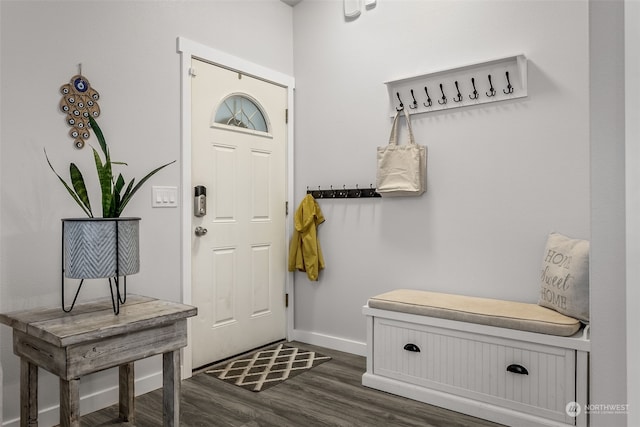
x=343 y=193
x=481 y=83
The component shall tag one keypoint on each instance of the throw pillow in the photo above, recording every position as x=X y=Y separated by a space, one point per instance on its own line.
x=564 y=279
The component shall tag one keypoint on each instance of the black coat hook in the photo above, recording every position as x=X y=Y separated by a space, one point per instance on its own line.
x=475 y=92
x=444 y=98
x=415 y=104
x=316 y=194
x=458 y=97
x=509 y=87
x=401 y=104
x=428 y=104
x=492 y=91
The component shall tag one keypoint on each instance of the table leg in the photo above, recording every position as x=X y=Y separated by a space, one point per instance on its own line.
x=28 y=394
x=70 y=403
x=171 y=388
x=127 y=392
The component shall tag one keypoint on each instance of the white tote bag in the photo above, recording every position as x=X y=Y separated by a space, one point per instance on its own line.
x=402 y=169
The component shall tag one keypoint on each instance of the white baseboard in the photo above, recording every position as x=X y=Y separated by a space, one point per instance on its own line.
x=50 y=416
x=475 y=408
x=334 y=343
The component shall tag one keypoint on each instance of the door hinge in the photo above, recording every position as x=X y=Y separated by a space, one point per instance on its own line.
x=192 y=72
x=286 y=208
x=286 y=300
x=286 y=116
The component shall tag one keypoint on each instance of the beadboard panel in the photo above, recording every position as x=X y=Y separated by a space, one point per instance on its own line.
x=474 y=366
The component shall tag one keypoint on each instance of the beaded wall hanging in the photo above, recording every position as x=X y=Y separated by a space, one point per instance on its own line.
x=79 y=100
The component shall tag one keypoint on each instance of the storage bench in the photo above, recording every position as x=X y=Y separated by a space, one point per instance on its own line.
x=513 y=363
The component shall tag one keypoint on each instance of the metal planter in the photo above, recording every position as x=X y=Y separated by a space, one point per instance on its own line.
x=100 y=247
x=94 y=248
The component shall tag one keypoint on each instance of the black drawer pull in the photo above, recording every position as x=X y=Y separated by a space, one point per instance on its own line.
x=412 y=347
x=517 y=369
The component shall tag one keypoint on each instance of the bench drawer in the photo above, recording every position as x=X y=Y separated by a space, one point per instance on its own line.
x=527 y=377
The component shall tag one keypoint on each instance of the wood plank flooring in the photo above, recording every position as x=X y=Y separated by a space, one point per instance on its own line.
x=328 y=395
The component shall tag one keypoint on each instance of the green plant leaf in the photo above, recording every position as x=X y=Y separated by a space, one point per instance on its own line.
x=99 y=135
x=127 y=194
x=71 y=192
x=119 y=183
x=130 y=192
x=117 y=191
x=78 y=185
x=104 y=178
x=113 y=199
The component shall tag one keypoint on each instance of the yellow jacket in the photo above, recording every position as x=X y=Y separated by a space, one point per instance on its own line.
x=304 y=250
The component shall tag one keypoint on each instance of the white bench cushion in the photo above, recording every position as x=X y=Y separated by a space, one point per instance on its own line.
x=486 y=311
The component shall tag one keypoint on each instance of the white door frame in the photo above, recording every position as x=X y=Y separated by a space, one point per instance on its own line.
x=189 y=49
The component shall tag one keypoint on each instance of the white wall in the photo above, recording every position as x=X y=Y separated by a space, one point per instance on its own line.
x=632 y=151
x=608 y=380
x=128 y=53
x=500 y=177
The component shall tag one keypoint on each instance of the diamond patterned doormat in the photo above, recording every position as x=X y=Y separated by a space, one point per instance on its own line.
x=267 y=367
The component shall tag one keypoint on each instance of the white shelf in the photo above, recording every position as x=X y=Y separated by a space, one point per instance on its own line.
x=444 y=81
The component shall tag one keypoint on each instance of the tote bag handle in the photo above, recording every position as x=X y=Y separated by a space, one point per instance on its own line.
x=393 y=138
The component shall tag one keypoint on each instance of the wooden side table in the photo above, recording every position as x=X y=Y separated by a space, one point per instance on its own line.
x=92 y=338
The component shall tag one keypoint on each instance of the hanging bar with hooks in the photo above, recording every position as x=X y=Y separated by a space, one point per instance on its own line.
x=476 y=80
x=344 y=192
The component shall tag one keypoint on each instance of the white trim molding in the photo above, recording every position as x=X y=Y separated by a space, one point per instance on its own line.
x=329 y=341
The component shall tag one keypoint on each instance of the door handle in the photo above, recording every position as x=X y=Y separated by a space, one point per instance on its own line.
x=200 y=231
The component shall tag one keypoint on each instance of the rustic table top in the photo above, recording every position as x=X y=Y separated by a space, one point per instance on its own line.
x=95 y=319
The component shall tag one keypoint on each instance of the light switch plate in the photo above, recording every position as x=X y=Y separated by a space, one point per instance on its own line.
x=164 y=197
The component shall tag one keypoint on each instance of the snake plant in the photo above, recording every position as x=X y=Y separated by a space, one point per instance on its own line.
x=115 y=195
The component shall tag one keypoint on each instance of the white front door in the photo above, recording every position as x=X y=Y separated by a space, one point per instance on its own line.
x=239 y=136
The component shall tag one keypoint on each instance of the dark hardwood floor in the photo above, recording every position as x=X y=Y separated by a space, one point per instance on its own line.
x=329 y=395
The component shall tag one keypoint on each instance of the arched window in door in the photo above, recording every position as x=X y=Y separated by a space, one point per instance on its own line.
x=241 y=111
